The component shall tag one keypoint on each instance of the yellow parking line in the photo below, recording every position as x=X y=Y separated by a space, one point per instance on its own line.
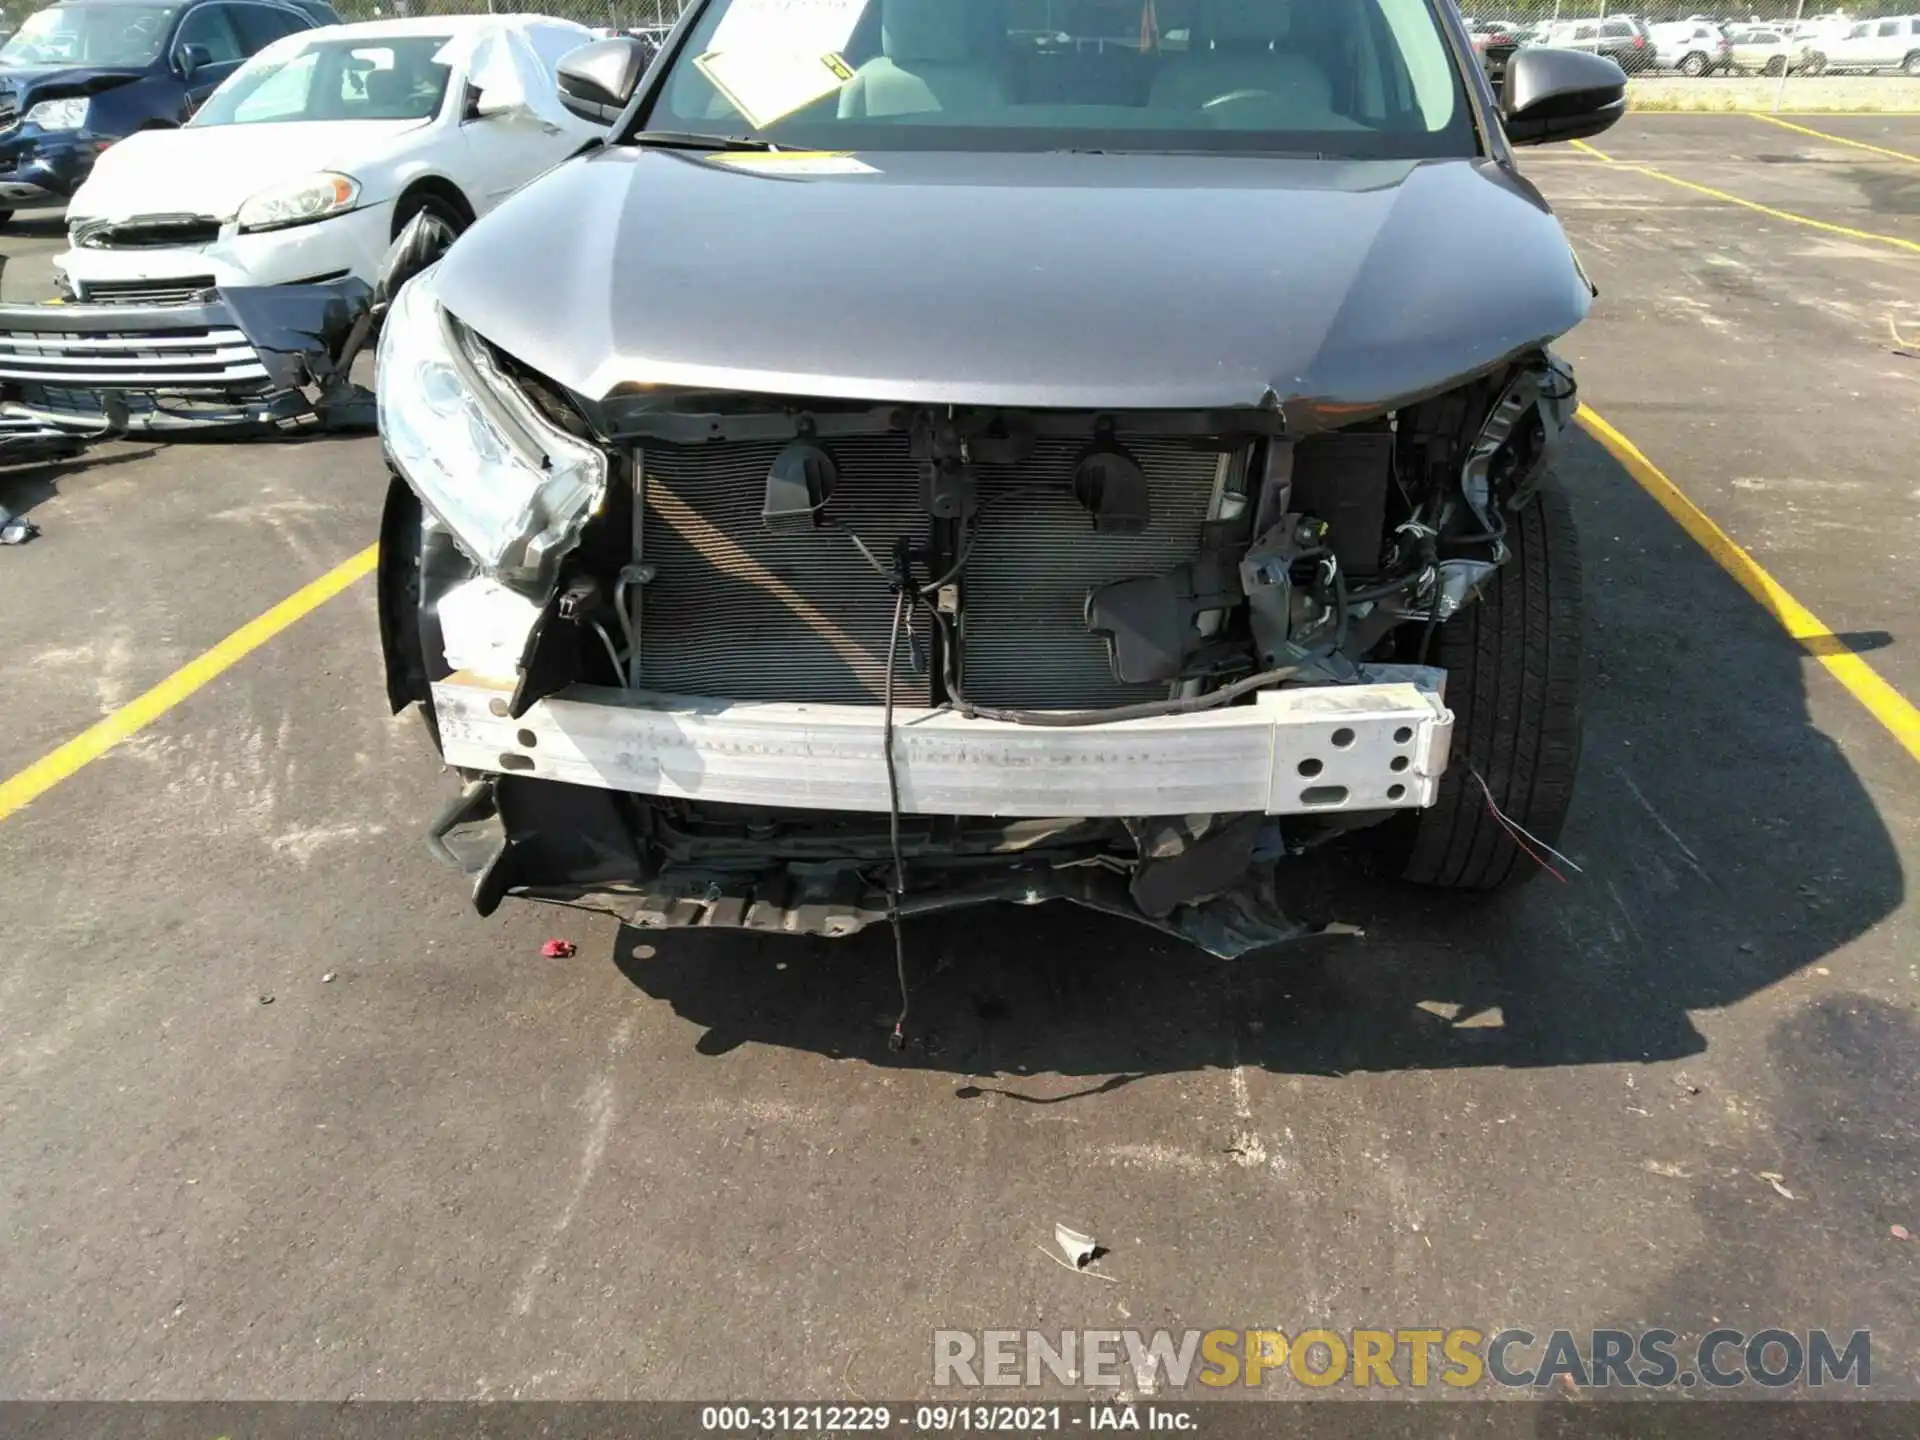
x=1863 y=682
x=1708 y=190
x=1839 y=139
x=90 y=744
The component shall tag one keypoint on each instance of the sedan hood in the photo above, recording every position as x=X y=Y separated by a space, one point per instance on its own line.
x=1065 y=281
x=213 y=170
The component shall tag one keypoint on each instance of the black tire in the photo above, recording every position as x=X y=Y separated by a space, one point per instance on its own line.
x=1816 y=64
x=1513 y=683
x=1912 y=65
x=1776 y=66
x=1695 y=65
x=6 y=218
x=439 y=206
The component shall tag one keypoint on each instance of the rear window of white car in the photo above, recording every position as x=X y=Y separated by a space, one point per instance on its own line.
x=388 y=79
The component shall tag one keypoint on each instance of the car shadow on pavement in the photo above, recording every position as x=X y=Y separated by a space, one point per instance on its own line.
x=24 y=486
x=1725 y=842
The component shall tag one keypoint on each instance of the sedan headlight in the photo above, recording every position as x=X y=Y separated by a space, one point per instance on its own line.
x=512 y=488
x=299 y=202
x=70 y=114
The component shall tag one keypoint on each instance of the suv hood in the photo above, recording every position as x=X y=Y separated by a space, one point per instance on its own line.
x=28 y=83
x=214 y=169
x=1072 y=281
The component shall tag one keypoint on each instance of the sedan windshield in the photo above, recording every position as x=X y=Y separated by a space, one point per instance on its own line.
x=1353 y=79
x=128 y=36
x=401 y=78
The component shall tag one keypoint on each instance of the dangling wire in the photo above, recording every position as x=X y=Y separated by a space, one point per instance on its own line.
x=897 y=885
x=1519 y=834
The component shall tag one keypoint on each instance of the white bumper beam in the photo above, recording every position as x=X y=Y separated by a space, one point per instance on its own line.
x=1304 y=751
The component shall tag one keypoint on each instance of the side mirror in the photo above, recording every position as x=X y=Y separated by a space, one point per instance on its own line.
x=189 y=58
x=596 y=81
x=424 y=239
x=1561 y=95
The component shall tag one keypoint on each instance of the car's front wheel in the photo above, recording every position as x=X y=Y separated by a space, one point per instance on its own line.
x=1513 y=683
x=1912 y=67
x=438 y=206
x=1694 y=65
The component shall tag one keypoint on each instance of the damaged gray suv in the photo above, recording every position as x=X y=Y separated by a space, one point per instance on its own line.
x=924 y=457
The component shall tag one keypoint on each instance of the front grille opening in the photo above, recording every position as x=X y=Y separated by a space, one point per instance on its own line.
x=151 y=232
x=145 y=292
x=739 y=611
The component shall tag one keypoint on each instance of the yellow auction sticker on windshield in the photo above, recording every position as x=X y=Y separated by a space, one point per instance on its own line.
x=795 y=163
x=765 y=85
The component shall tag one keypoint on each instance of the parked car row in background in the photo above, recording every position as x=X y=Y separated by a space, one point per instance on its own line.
x=76 y=77
x=311 y=159
x=1705 y=45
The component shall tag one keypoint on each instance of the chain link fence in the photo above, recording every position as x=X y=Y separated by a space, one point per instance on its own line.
x=1684 y=53
x=599 y=14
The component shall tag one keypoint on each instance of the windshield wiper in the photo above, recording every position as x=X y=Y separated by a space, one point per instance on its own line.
x=1168 y=150
x=693 y=140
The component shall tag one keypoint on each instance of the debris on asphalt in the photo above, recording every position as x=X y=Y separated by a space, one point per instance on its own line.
x=1776 y=1180
x=15 y=529
x=559 y=949
x=1082 y=1250
x=329 y=977
x=266 y=999
x=1900 y=1232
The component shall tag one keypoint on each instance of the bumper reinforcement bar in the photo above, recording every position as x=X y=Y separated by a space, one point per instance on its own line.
x=1313 y=750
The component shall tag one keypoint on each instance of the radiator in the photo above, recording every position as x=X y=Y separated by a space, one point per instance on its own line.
x=742 y=612
x=739 y=611
x=1037 y=556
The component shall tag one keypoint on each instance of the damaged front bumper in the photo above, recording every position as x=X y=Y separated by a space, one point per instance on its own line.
x=243 y=359
x=547 y=818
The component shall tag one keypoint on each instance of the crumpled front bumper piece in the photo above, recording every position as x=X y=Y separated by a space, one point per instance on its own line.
x=249 y=357
x=1309 y=751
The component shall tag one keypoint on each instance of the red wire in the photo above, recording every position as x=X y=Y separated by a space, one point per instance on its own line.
x=1508 y=826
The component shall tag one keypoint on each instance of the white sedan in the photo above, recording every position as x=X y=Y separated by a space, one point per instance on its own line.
x=307 y=161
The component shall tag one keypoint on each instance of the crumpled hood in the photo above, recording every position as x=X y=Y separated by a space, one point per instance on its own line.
x=31 y=83
x=213 y=170
x=1055 y=281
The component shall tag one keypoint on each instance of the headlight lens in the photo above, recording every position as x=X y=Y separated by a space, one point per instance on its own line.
x=299 y=202
x=70 y=114
x=513 y=490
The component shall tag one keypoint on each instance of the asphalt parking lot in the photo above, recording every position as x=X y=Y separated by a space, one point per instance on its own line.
x=689 y=1167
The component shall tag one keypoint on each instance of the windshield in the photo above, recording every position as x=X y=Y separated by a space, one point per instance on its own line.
x=397 y=79
x=1355 y=79
x=118 y=35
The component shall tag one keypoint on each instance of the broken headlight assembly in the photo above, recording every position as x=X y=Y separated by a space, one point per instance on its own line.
x=513 y=490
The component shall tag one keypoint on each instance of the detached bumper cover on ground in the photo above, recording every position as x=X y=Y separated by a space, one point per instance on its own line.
x=253 y=357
